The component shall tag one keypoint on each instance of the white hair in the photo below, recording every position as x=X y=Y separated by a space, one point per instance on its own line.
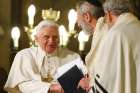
x=84 y=6
x=45 y=23
x=117 y=7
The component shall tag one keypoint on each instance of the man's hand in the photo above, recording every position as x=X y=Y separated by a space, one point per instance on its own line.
x=56 y=88
x=84 y=83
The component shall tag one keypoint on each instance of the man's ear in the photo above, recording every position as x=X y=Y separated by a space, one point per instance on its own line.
x=111 y=17
x=36 y=40
x=107 y=17
x=87 y=17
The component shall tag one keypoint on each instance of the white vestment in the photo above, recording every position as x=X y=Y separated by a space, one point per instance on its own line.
x=26 y=72
x=100 y=30
x=117 y=66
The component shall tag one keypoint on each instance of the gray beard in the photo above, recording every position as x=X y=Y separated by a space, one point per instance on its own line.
x=87 y=29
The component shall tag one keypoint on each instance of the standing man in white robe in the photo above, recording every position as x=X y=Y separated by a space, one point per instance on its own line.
x=90 y=18
x=34 y=68
x=117 y=69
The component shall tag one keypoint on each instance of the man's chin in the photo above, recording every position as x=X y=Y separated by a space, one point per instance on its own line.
x=88 y=33
x=50 y=50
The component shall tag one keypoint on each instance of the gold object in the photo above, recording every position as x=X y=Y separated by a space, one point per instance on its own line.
x=50 y=14
x=29 y=32
x=48 y=79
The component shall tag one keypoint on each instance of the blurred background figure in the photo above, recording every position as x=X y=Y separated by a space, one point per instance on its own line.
x=136 y=7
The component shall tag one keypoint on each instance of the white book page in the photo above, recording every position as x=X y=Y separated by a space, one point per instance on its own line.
x=61 y=70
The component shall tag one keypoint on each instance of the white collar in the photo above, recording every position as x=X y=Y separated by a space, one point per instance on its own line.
x=124 y=18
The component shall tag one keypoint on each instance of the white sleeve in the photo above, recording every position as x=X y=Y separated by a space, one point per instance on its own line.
x=34 y=87
x=25 y=75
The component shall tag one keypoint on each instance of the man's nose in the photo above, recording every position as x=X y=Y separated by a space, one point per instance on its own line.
x=52 y=39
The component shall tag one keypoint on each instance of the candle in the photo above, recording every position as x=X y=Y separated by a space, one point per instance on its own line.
x=82 y=38
x=64 y=37
x=81 y=46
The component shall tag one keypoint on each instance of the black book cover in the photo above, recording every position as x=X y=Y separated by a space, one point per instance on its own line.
x=70 y=79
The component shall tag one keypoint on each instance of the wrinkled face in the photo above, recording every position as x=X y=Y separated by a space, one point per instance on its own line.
x=83 y=24
x=48 y=39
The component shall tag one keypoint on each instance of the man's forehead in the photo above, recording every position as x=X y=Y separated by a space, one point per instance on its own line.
x=48 y=30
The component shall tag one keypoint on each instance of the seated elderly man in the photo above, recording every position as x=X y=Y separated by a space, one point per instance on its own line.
x=34 y=68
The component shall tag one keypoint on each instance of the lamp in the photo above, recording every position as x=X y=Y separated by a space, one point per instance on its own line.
x=50 y=14
x=82 y=38
x=29 y=30
x=72 y=17
x=31 y=13
x=15 y=34
x=64 y=36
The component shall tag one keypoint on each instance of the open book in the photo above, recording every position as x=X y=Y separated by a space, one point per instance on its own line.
x=69 y=76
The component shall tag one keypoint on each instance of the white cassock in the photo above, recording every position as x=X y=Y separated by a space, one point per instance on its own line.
x=26 y=72
x=117 y=66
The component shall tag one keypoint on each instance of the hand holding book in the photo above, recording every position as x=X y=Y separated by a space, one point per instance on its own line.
x=69 y=76
x=84 y=83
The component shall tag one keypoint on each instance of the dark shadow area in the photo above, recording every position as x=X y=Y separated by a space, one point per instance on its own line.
x=3 y=78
